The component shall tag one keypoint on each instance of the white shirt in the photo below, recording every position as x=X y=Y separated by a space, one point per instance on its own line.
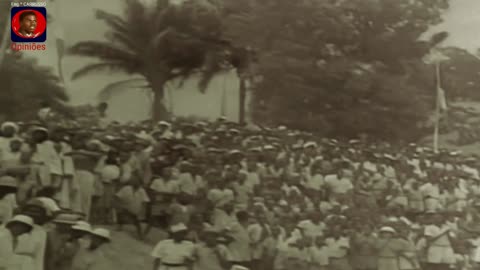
x=34 y=243
x=316 y=182
x=163 y=186
x=239 y=248
x=170 y=252
x=337 y=248
x=7 y=205
x=311 y=229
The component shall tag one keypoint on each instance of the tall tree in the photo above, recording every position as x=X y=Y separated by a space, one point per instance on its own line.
x=25 y=85
x=340 y=67
x=159 y=42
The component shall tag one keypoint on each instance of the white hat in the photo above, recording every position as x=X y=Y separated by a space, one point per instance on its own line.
x=234 y=152
x=22 y=219
x=9 y=124
x=8 y=181
x=49 y=204
x=269 y=147
x=42 y=129
x=239 y=267
x=143 y=135
x=387 y=229
x=180 y=227
x=415 y=227
x=103 y=233
x=164 y=123
x=82 y=226
x=310 y=144
x=283 y=203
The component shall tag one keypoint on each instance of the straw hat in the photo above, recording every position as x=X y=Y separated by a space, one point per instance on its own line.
x=8 y=181
x=238 y=267
x=21 y=219
x=40 y=129
x=9 y=124
x=269 y=147
x=82 y=226
x=67 y=218
x=102 y=233
x=387 y=229
x=310 y=144
x=49 y=204
x=164 y=123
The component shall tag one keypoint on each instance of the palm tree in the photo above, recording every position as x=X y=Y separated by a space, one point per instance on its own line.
x=159 y=43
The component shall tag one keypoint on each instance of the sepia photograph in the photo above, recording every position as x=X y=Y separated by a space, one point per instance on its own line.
x=239 y=134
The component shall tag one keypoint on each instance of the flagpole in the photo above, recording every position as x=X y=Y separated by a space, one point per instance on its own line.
x=437 y=108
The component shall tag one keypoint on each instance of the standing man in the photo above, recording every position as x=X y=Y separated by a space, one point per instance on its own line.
x=175 y=253
x=9 y=235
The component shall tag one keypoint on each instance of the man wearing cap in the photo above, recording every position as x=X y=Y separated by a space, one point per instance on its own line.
x=388 y=249
x=9 y=235
x=164 y=130
x=175 y=253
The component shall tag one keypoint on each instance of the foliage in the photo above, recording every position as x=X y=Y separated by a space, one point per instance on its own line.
x=159 y=42
x=25 y=85
x=339 y=67
x=461 y=74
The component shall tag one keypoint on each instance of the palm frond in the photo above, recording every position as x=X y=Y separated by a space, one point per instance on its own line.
x=438 y=38
x=102 y=50
x=120 y=86
x=115 y=22
x=213 y=66
x=93 y=68
x=125 y=40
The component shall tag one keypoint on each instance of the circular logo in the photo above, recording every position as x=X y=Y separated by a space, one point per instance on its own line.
x=32 y=26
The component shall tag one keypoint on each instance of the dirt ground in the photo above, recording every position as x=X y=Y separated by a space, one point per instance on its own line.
x=126 y=252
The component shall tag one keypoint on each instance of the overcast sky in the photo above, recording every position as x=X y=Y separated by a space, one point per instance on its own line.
x=462 y=21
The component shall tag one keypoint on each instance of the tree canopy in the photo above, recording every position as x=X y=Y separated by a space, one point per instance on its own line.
x=25 y=85
x=339 y=67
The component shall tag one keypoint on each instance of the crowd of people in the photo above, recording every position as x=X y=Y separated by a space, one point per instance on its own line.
x=232 y=197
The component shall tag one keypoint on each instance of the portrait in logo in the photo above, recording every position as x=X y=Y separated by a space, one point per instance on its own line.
x=29 y=24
